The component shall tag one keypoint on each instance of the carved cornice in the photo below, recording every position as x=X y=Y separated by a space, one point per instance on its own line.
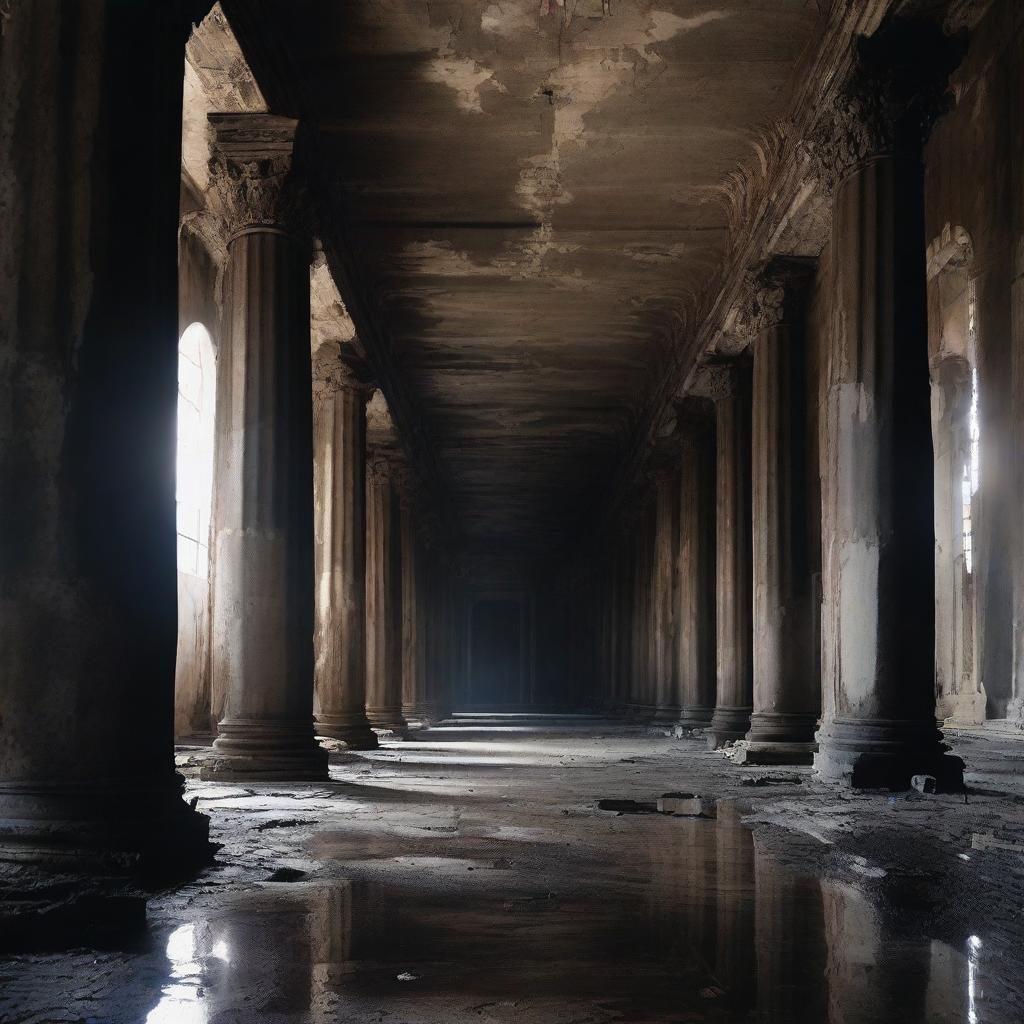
x=251 y=172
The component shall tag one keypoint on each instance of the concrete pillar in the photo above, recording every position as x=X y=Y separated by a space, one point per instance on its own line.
x=878 y=723
x=263 y=604
x=339 y=502
x=88 y=381
x=383 y=601
x=666 y=528
x=787 y=694
x=695 y=587
x=729 y=386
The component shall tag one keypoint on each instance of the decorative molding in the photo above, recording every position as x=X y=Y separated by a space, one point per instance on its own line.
x=251 y=172
x=742 y=189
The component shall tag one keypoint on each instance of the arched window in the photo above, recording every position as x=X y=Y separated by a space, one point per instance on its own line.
x=196 y=398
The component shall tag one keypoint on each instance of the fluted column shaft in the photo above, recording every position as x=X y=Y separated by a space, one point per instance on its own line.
x=415 y=616
x=666 y=528
x=733 y=558
x=263 y=507
x=339 y=501
x=695 y=589
x=88 y=371
x=878 y=723
x=383 y=602
x=787 y=694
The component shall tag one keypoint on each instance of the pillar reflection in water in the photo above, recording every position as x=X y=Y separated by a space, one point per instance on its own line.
x=279 y=949
x=734 y=960
x=788 y=934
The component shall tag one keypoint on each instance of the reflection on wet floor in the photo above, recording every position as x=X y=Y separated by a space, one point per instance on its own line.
x=685 y=920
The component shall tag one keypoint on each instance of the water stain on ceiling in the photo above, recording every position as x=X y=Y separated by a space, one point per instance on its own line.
x=533 y=188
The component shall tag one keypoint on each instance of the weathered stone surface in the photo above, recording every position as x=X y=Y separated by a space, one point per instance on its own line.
x=88 y=364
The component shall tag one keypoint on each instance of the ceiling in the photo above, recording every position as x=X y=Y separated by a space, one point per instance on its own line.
x=534 y=194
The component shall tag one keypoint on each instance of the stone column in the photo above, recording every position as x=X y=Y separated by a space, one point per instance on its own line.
x=729 y=386
x=416 y=708
x=263 y=604
x=88 y=380
x=339 y=502
x=641 y=676
x=623 y=616
x=878 y=723
x=383 y=601
x=787 y=694
x=666 y=527
x=636 y=590
x=695 y=587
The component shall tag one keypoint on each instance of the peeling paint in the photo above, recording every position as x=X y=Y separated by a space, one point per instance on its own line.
x=465 y=77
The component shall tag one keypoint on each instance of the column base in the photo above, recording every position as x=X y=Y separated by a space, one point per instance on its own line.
x=388 y=722
x=773 y=753
x=256 y=750
x=695 y=717
x=666 y=713
x=767 y=727
x=419 y=716
x=965 y=710
x=110 y=827
x=353 y=729
x=885 y=754
x=728 y=724
x=641 y=712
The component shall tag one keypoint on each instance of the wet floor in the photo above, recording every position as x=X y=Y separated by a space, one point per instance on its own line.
x=509 y=897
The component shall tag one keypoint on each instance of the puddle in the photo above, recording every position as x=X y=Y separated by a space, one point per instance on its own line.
x=709 y=928
x=645 y=918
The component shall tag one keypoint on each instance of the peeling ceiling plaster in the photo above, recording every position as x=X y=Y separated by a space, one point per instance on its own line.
x=538 y=194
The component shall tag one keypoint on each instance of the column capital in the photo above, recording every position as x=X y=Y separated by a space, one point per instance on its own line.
x=382 y=464
x=772 y=294
x=251 y=172
x=337 y=367
x=897 y=88
x=719 y=380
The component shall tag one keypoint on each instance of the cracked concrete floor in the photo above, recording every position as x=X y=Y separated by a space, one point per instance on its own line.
x=468 y=875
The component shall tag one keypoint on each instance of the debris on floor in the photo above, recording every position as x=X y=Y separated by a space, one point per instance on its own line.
x=689 y=805
x=924 y=783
